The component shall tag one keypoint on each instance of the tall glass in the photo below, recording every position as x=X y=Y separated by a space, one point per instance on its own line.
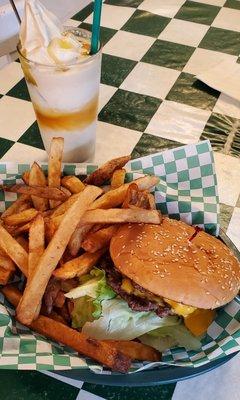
x=65 y=100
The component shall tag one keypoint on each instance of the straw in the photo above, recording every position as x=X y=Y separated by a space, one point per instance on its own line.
x=96 y=26
x=15 y=11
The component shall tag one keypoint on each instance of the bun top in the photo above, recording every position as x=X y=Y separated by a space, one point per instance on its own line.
x=201 y=272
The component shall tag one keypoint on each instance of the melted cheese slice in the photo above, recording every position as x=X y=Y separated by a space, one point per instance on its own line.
x=180 y=309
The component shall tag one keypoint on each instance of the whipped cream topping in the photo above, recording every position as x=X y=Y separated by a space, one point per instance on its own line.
x=43 y=39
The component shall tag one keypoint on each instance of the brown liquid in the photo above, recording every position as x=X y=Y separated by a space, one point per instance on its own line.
x=50 y=118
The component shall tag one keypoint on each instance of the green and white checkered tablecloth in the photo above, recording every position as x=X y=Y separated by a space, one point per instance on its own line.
x=150 y=100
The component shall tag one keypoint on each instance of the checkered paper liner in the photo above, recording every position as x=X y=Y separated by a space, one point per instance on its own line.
x=187 y=191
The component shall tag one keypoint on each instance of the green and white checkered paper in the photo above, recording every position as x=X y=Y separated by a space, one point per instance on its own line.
x=187 y=191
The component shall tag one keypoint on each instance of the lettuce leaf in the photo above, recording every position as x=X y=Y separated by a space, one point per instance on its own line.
x=170 y=336
x=118 y=321
x=88 y=296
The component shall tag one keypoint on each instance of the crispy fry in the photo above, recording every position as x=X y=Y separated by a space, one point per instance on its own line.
x=73 y=184
x=78 y=266
x=57 y=317
x=118 y=216
x=21 y=218
x=118 y=178
x=17 y=230
x=40 y=191
x=5 y=275
x=62 y=208
x=115 y=198
x=135 y=350
x=77 y=237
x=37 y=178
x=99 y=240
x=151 y=200
x=23 y=242
x=105 y=172
x=100 y=351
x=21 y=204
x=136 y=198
x=25 y=177
x=14 y=250
x=54 y=165
x=36 y=244
x=6 y=262
x=35 y=289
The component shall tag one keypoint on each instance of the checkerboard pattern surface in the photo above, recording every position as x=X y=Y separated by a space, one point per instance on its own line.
x=150 y=101
x=149 y=96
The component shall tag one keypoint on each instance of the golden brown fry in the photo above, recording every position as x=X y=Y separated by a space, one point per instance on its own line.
x=44 y=192
x=57 y=317
x=62 y=208
x=151 y=200
x=100 y=351
x=37 y=178
x=105 y=172
x=14 y=250
x=25 y=177
x=135 y=350
x=98 y=240
x=118 y=178
x=17 y=230
x=21 y=204
x=5 y=275
x=119 y=216
x=78 y=266
x=54 y=165
x=73 y=184
x=21 y=218
x=23 y=242
x=36 y=244
x=6 y=262
x=35 y=289
x=136 y=198
x=115 y=198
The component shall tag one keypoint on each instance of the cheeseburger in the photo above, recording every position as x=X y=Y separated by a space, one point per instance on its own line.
x=160 y=281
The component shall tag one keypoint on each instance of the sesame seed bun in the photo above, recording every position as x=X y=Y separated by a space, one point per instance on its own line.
x=202 y=272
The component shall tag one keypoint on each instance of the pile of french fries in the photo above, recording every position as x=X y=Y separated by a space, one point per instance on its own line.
x=56 y=231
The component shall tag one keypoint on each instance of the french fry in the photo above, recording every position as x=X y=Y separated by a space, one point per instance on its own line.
x=54 y=165
x=100 y=239
x=105 y=172
x=40 y=191
x=21 y=218
x=136 y=198
x=119 y=216
x=151 y=200
x=6 y=262
x=21 y=204
x=78 y=266
x=25 y=177
x=23 y=242
x=62 y=208
x=77 y=237
x=37 y=178
x=118 y=178
x=100 y=351
x=35 y=289
x=73 y=184
x=5 y=275
x=18 y=230
x=36 y=244
x=14 y=250
x=115 y=198
x=135 y=350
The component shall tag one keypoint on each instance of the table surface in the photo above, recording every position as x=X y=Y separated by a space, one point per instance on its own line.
x=150 y=100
